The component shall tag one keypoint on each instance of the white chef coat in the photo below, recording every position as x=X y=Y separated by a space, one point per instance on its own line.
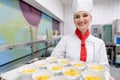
x=70 y=46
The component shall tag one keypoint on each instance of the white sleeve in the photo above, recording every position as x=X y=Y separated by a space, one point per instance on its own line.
x=103 y=59
x=60 y=49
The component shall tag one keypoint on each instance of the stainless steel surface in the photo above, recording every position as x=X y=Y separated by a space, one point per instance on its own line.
x=117 y=25
x=20 y=45
x=110 y=44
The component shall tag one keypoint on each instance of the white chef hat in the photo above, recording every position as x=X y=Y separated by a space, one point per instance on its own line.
x=82 y=5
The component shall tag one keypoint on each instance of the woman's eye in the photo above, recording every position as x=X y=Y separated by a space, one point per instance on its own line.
x=85 y=15
x=77 y=17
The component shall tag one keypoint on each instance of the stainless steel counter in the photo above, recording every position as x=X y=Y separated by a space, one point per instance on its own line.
x=111 y=46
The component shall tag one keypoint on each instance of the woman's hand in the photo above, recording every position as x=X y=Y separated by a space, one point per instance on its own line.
x=111 y=78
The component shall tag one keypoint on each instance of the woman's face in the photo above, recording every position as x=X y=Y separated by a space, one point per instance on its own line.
x=82 y=20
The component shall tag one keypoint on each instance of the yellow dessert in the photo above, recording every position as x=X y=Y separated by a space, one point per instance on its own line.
x=71 y=72
x=41 y=64
x=57 y=68
x=64 y=62
x=97 y=67
x=89 y=77
x=44 y=77
x=28 y=71
x=77 y=64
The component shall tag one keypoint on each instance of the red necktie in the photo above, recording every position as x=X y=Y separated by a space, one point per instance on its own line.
x=83 y=53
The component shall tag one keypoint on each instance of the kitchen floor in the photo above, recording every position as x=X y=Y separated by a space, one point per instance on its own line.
x=115 y=72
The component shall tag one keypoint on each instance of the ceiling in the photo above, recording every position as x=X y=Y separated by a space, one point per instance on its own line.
x=69 y=2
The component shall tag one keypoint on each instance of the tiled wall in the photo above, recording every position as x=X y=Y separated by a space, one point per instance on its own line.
x=20 y=22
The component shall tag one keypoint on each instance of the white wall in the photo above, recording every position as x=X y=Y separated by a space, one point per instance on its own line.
x=54 y=6
x=68 y=20
x=105 y=11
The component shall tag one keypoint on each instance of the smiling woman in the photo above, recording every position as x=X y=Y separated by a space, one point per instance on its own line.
x=86 y=47
x=82 y=46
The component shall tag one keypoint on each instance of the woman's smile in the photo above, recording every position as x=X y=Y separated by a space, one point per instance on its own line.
x=81 y=24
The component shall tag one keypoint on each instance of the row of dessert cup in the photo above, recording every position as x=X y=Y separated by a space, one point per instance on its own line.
x=47 y=68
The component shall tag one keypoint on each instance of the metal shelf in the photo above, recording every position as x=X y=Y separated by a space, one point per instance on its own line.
x=20 y=45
